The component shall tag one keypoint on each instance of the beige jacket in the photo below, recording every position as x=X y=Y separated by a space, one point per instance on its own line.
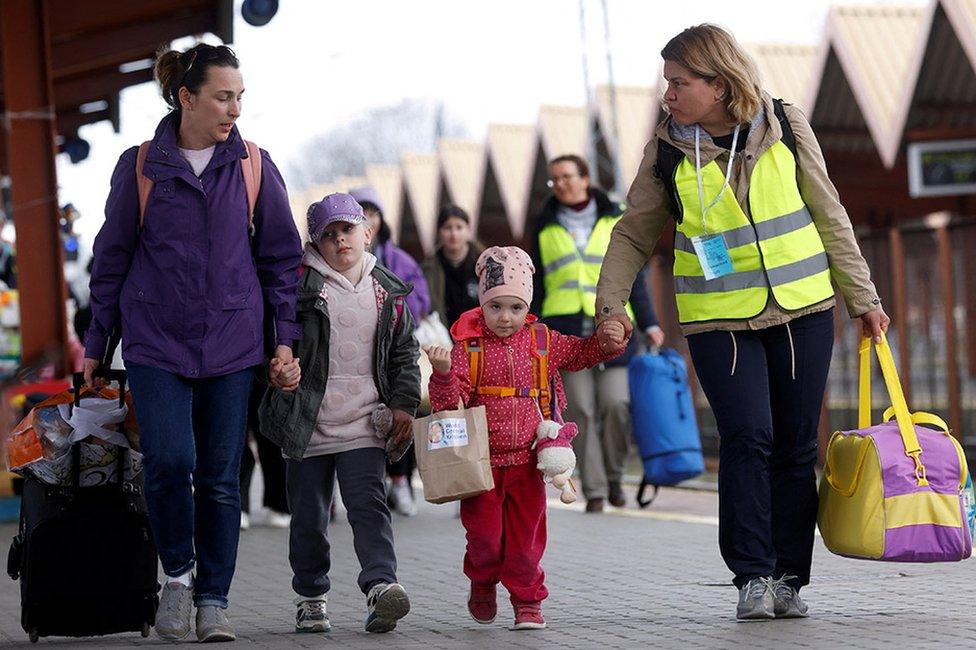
x=648 y=214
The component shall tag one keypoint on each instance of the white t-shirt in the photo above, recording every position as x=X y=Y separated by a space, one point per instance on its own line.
x=198 y=158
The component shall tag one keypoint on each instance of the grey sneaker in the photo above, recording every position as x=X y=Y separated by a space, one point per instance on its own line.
x=756 y=600
x=312 y=615
x=173 y=613
x=787 y=601
x=212 y=625
x=387 y=604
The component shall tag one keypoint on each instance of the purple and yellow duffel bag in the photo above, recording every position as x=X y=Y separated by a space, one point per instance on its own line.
x=894 y=491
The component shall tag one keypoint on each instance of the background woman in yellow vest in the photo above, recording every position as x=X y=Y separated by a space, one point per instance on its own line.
x=760 y=236
x=571 y=236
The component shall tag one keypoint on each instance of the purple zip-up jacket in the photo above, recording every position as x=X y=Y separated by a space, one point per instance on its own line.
x=189 y=290
x=406 y=268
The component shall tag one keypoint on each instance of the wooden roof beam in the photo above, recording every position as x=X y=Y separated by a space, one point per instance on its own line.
x=123 y=44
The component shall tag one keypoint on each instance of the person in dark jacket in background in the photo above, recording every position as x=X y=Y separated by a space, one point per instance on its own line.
x=449 y=271
x=272 y=466
x=187 y=288
x=571 y=236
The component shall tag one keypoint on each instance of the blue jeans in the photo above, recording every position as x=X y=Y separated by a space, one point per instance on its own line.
x=192 y=435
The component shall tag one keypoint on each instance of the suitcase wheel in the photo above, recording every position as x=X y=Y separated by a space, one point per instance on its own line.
x=33 y=635
x=145 y=629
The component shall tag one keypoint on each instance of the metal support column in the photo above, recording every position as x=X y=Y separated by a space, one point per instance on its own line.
x=952 y=362
x=900 y=315
x=30 y=149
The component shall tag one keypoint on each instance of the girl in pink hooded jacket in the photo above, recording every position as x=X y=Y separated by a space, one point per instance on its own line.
x=506 y=526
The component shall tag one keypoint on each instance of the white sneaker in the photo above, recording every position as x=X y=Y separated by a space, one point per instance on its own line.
x=276 y=519
x=403 y=499
x=245 y=521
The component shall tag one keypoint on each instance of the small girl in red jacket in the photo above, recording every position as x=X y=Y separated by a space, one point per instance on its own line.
x=506 y=526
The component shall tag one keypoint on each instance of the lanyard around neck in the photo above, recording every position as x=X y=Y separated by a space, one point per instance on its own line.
x=728 y=173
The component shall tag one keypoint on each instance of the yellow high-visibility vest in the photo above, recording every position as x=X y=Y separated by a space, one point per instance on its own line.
x=778 y=250
x=570 y=277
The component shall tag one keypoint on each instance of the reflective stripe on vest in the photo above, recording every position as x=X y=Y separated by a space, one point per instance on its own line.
x=778 y=250
x=570 y=277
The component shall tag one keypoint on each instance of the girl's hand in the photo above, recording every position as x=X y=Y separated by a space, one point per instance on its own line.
x=440 y=358
x=613 y=334
x=402 y=429
x=874 y=322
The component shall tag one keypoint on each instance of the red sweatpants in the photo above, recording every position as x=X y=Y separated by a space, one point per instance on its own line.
x=507 y=533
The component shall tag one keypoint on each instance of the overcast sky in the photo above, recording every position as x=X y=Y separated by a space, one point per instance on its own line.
x=319 y=63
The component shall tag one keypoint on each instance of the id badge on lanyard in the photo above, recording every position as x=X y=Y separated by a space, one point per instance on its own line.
x=713 y=255
x=711 y=250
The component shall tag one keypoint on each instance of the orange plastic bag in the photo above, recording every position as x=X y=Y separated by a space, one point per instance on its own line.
x=23 y=445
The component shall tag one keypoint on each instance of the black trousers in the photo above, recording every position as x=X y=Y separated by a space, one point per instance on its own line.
x=311 y=484
x=766 y=389
x=404 y=466
x=269 y=455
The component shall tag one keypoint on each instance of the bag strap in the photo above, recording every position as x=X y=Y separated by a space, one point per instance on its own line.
x=789 y=138
x=668 y=159
x=641 y=501
x=541 y=338
x=474 y=347
x=850 y=488
x=905 y=425
x=250 y=168
x=920 y=417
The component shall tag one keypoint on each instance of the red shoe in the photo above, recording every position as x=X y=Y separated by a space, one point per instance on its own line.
x=482 y=604
x=528 y=616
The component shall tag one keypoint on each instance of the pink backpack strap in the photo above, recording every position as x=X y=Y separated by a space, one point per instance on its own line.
x=397 y=311
x=143 y=184
x=540 y=367
x=251 y=166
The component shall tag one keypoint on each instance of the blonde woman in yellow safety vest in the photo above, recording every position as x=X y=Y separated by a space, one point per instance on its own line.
x=760 y=236
x=572 y=232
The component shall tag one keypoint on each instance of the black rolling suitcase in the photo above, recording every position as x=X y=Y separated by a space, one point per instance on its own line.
x=85 y=555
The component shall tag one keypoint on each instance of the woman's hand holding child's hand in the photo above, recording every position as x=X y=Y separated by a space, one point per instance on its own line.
x=285 y=375
x=440 y=358
x=613 y=334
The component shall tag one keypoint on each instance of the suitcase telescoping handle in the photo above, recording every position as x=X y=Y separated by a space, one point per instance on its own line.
x=78 y=382
x=118 y=376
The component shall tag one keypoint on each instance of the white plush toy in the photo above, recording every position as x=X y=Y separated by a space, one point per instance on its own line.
x=556 y=458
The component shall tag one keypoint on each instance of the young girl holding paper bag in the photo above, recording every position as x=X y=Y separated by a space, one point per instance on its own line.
x=506 y=526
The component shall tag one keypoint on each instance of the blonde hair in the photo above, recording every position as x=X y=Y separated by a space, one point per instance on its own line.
x=711 y=52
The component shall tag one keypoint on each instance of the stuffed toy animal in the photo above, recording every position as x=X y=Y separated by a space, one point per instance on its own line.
x=556 y=458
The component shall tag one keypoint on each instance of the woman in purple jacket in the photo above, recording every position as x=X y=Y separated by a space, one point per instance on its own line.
x=188 y=291
x=418 y=302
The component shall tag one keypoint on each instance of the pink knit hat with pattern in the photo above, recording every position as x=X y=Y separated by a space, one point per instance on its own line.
x=504 y=271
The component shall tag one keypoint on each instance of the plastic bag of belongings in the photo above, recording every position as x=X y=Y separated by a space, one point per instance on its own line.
x=100 y=425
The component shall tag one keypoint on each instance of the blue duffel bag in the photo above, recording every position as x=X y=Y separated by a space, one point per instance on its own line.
x=664 y=421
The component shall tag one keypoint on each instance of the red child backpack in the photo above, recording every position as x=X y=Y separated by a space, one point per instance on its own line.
x=540 y=390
